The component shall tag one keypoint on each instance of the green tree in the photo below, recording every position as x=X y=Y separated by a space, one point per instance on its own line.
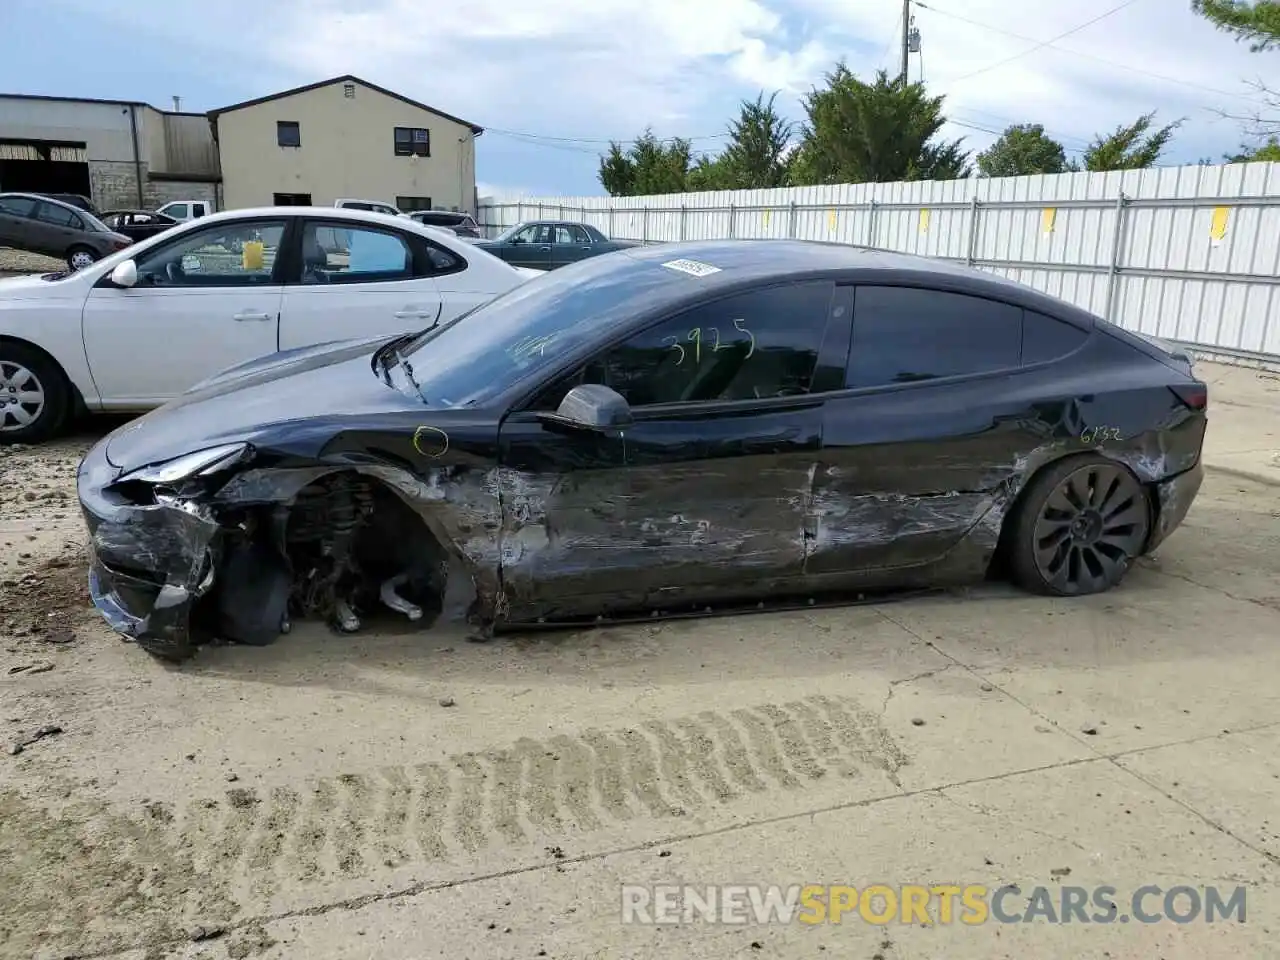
x=756 y=157
x=1269 y=151
x=1257 y=22
x=859 y=132
x=648 y=166
x=1023 y=149
x=1130 y=147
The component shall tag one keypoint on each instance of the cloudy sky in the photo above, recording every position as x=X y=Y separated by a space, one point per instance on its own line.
x=554 y=80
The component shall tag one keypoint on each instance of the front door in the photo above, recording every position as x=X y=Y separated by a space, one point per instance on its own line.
x=571 y=244
x=357 y=281
x=530 y=247
x=727 y=400
x=212 y=296
x=910 y=466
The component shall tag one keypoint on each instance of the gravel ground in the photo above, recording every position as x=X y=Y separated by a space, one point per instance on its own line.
x=19 y=261
x=407 y=794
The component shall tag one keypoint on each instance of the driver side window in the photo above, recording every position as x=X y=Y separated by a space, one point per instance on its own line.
x=756 y=345
x=224 y=255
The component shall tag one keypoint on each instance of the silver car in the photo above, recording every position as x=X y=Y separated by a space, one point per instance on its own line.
x=40 y=225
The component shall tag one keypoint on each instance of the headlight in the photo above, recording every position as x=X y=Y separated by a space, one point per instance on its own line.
x=202 y=463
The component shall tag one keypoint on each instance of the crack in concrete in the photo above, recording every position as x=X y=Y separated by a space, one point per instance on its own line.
x=1266 y=605
x=1114 y=758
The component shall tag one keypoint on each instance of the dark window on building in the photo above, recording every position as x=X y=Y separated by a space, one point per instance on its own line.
x=291 y=199
x=409 y=204
x=288 y=133
x=412 y=142
x=1044 y=338
x=756 y=345
x=903 y=334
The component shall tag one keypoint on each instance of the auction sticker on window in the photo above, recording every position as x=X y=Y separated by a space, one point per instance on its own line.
x=693 y=268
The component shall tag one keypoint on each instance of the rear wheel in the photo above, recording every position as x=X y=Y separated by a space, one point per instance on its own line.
x=80 y=257
x=34 y=396
x=1079 y=526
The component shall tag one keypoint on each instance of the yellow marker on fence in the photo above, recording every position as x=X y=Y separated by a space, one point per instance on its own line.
x=252 y=255
x=767 y=214
x=1218 y=228
x=831 y=219
x=1048 y=219
x=924 y=220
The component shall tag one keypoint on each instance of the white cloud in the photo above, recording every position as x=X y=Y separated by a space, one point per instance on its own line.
x=592 y=70
x=1087 y=83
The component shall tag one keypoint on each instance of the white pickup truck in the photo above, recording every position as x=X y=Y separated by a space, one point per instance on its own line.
x=184 y=210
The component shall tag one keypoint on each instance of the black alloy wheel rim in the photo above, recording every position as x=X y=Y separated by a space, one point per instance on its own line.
x=1089 y=528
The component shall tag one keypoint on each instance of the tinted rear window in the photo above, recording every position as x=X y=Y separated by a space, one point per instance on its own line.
x=904 y=334
x=1044 y=338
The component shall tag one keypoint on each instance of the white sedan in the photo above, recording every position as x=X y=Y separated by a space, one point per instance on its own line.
x=143 y=325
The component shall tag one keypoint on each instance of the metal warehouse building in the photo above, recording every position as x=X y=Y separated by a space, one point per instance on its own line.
x=120 y=154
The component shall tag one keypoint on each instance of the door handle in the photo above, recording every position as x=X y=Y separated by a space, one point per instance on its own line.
x=260 y=317
x=412 y=315
x=545 y=249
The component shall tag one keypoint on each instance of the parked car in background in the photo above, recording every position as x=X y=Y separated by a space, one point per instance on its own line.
x=137 y=224
x=547 y=244
x=184 y=210
x=372 y=206
x=77 y=200
x=144 y=325
x=463 y=224
x=37 y=224
x=712 y=426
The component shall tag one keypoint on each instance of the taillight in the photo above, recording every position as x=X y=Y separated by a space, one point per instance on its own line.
x=1195 y=396
x=120 y=243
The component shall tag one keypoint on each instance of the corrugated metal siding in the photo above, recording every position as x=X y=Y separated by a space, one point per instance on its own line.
x=1136 y=246
x=188 y=146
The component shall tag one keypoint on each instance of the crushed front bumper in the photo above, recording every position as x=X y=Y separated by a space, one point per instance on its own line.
x=148 y=563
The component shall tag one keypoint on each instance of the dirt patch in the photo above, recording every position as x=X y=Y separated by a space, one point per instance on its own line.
x=20 y=261
x=48 y=603
x=83 y=879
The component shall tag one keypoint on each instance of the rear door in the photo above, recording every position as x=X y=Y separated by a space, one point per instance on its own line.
x=929 y=435
x=358 y=280
x=17 y=219
x=204 y=301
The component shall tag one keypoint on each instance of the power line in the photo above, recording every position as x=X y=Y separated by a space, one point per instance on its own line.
x=1040 y=45
x=1087 y=56
x=597 y=140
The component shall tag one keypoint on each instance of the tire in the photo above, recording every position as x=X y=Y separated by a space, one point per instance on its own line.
x=35 y=397
x=169 y=651
x=1078 y=527
x=80 y=257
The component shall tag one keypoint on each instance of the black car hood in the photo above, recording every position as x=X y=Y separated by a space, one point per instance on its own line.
x=329 y=380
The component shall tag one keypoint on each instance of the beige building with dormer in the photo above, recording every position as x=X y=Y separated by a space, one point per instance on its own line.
x=344 y=138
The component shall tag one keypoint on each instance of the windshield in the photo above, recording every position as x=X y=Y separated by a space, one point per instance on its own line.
x=508 y=233
x=528 y=328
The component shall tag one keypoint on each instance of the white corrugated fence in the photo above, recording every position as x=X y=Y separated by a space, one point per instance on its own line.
x=1190 y=254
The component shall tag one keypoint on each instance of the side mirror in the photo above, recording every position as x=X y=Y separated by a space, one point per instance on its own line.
x=517 y=239
x=592 y=407
x=125 y=274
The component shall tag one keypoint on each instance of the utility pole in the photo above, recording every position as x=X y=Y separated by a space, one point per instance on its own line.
x=906 y=38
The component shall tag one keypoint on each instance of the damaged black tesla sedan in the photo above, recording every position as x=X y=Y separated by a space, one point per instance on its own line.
x=709 y=426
